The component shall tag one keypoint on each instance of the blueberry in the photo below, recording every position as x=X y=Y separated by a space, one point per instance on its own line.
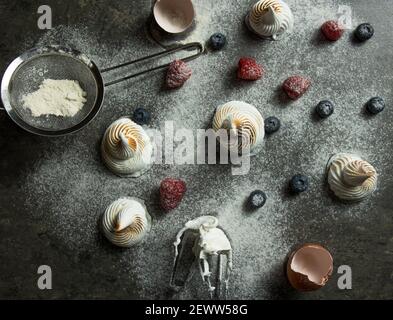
x=299 y=183
x=141 y=116
x=272 y=124
x=364 y=32
x=217 y=41
x=375 y=105
x=325 y=108
x=257 y=199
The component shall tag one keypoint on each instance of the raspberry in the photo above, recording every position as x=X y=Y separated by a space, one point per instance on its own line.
x=332 y=30
x=178 y=73
x=171 y=193
x=296 y=86
x=249 y=69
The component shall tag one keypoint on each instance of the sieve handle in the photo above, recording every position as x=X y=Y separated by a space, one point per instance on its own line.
x=189 y=46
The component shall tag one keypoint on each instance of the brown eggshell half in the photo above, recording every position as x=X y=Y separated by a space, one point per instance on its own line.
x=309 y=267
x=174 y=16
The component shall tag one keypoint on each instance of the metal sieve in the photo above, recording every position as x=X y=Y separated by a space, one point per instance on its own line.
x=27 y=72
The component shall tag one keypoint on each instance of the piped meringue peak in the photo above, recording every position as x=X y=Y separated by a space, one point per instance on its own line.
x=242 y=121
x=350 y=177
x=270 y=19
x=126 y=222
x=126 y=148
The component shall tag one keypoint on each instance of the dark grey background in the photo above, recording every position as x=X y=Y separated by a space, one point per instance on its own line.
x=53 y=191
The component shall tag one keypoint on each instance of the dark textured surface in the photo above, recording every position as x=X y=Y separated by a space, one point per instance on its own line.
x=53 y=191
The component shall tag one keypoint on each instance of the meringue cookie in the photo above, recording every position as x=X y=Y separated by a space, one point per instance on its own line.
x=350 y=177
x=126 y=148
x=243 y=121
x=126 y=222
x=270 y=18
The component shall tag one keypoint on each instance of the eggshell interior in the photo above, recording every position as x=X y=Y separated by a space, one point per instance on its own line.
x=313 y=261
x=174 y=16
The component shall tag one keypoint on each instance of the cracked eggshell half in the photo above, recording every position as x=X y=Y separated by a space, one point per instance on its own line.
x=309 y=267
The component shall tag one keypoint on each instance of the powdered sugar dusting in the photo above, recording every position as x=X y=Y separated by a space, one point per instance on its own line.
x=76 y=187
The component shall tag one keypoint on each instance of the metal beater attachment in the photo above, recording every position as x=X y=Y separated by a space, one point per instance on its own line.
x=202 y=242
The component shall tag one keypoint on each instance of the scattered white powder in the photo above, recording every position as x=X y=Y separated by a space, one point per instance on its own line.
x=64 y=98
x=67 y=188
x=204 y=24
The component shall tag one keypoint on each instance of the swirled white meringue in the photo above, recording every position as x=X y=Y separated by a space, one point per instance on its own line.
x=270 y=18
x=243 y=122
x=126 y=148
x=350 y=177
x=126 y=222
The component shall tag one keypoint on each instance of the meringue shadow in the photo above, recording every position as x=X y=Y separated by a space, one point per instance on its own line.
x=251 y=35
x=103 y=242
x=337 y=201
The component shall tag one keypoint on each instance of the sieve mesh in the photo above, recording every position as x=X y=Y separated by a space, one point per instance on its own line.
x=27 y=72
x=30 y=75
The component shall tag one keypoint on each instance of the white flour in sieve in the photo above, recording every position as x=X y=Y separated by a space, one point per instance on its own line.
x=62 y=98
